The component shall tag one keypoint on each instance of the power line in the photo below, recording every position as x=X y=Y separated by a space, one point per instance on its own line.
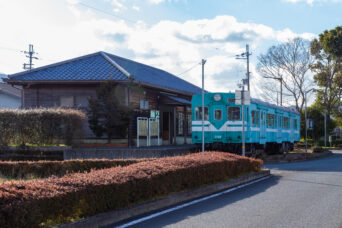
x=105 y=12
x=197 y=64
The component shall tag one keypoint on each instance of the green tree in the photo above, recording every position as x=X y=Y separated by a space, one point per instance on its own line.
x=315 y=113
x=327 y=50
x=107 y=113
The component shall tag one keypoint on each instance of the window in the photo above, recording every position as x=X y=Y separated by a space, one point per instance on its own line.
x=279 y=121
x=66 y=101
x=218 y=114
x=81 y=101
x=198 y=113
x=143 y=104
x=234 y=113
x=270 y=120
x=180 y=123
x=286 y=122
x=189 y=123
x=255 y=117
x=295 y=124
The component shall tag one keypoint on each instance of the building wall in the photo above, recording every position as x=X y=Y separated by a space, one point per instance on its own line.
x=50 y=96
x=9 y=102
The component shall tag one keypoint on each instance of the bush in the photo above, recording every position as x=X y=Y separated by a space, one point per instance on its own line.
x=318 y=149
x=40 y=126
x=58 y=200
x=42 y=169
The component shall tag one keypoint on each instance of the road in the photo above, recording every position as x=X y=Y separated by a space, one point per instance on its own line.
x=302 y=194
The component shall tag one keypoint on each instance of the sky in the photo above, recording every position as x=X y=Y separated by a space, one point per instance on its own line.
x=173 y=35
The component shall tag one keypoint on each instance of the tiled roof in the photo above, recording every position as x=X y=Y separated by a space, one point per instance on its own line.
x=179 y=99
x=104 y=66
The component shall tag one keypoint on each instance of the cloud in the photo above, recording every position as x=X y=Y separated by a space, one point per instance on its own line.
x=136 y=8
x=60 y=30
x=156 y=1
x=310 y=2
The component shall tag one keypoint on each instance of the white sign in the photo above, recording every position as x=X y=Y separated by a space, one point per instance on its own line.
x=246 y=97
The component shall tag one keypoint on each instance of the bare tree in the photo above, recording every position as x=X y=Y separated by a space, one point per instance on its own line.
x=288 y=63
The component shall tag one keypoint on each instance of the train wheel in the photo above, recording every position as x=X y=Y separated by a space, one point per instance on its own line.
x=252 y=151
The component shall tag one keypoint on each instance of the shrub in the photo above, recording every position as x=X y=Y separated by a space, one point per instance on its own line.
x=42 y=169
x=40 y=126
x=318 y=149
x=56 y=200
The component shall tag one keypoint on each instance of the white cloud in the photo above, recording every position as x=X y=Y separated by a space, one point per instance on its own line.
x=156 y=1
x=136 y=8
x=310 y=2
x=60 y=30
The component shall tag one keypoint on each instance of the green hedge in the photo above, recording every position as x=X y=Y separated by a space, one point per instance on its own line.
x=40 y=126
x=42 y=169
x=58 y=200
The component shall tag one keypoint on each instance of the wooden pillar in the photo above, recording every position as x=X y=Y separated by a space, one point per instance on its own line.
x=174 y=126
x=185 y=125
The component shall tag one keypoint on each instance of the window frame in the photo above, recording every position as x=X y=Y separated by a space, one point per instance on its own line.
x=228 y=113
x=67 y=106
x=215 y=114
x=206 y=111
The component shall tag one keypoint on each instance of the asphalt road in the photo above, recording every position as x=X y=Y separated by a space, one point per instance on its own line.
x=302 y=194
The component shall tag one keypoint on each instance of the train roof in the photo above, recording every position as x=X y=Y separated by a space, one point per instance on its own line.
x=260 y=102
x=287 y=109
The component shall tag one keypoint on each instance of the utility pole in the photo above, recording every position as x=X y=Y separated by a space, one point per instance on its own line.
x=30 y=55
x=245 y=56
x=243 y=121
x=203 y=112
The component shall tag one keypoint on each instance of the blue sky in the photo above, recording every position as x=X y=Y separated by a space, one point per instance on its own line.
x=173 y=35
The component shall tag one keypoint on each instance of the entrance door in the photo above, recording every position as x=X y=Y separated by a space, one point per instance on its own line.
x=218 y=119
x=166 y=126
x=262 y=127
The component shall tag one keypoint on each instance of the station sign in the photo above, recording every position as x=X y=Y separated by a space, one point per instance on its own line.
x=246 y=97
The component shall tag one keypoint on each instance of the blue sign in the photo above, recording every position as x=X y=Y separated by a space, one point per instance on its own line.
x=310 y=124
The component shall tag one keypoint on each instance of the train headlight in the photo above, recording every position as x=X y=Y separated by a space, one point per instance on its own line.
x=217 y=97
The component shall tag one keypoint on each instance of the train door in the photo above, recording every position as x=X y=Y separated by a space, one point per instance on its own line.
x=218 y=119
x=262 y=127
x=279 y=117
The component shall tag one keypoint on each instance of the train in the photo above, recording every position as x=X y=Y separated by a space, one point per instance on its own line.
x=268 y=127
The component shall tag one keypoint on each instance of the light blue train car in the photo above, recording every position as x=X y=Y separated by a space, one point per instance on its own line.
x=267 y=126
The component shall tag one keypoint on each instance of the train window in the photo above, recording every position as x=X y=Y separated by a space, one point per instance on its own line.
x=279 y=121
x=234 y=113
x=270 y=120
x=198 y=113
x=295 y=124
x=286 y=122
x=255 y=117
x=218 y=114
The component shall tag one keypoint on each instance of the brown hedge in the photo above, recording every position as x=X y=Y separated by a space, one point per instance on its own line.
x=42 y=169
x=57 y=200
x=40 y=126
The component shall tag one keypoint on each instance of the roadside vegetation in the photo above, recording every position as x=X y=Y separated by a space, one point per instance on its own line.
x=77 y=195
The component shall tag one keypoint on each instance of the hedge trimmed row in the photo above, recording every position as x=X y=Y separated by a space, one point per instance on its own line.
x=40 y=126
x=58 y=200
x=42 y=169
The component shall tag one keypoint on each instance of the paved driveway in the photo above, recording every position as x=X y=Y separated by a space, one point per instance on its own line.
x=302 y=194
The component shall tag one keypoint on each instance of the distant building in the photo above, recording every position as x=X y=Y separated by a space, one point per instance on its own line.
x=10 y=96
x=71 y=82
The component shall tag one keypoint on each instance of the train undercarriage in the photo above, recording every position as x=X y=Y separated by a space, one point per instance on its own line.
x=252 y=149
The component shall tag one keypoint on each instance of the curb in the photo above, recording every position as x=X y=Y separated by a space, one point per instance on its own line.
x=116 y=216
x=322 y=155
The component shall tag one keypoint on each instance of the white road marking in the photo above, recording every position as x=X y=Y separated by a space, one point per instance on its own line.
x=189 y=203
